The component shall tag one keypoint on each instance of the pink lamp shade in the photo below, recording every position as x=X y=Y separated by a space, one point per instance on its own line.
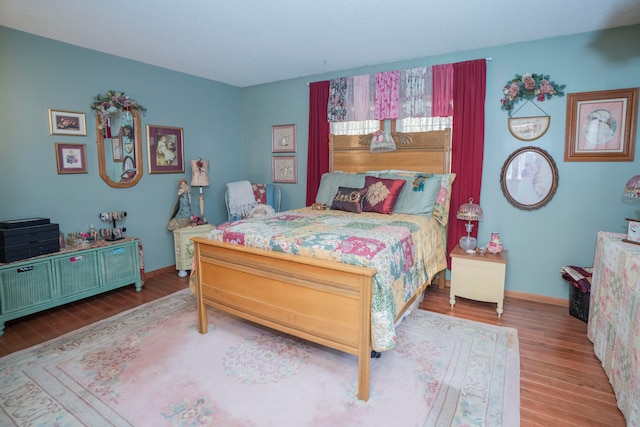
x=469 y=212
x=632 y=189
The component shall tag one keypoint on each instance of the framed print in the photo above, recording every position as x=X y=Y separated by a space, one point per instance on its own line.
x=284 y=169
x=116 y=148
x=165 y=147
x=601 y=126
x=633 y=231
x=283 y=139
x=529 y=178
x=67 y=123
x=71 y=158
x=529 y=128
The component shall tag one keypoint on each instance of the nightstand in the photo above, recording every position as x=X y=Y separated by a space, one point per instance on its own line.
x=184 y=246
x=478 y=277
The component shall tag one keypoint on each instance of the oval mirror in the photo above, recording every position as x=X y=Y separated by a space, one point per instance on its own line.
x=120 y=156
x=529 y=178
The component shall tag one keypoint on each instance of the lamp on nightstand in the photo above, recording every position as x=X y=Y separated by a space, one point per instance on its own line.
x=632 y=189
x=469 y=212
x=200 y=178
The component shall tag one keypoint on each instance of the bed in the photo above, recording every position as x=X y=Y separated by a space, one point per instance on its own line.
x=313 y=294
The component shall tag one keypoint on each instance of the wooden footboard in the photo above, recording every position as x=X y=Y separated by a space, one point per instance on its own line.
x=325 y=302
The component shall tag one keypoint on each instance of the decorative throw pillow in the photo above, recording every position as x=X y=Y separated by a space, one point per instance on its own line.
x=330 y=182
x=382 y=194
x=348 y=199
x=419 y=195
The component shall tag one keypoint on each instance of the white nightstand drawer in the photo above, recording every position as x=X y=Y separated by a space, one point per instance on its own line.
x=478 y=277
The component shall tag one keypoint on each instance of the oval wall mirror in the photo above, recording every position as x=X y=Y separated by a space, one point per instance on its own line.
x=120 y=155
x=529 y=178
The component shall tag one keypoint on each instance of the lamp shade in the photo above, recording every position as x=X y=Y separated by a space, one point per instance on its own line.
x=470 y=211
x=199 y=173
x=632 y=189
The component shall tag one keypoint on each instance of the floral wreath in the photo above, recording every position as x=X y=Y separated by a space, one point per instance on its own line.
x=111 y=103
x=529 y=87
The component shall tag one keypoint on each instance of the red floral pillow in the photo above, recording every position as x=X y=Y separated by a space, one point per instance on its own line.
x=382 y=194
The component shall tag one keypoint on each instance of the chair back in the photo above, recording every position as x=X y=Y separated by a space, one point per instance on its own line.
x=273 y=197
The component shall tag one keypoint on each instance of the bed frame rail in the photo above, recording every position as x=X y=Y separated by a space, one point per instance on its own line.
x=325 y=302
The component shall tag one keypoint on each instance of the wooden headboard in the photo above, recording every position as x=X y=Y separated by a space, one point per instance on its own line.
x=427 y=152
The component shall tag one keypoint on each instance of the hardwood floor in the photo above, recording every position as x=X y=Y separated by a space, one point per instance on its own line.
x=561 y=380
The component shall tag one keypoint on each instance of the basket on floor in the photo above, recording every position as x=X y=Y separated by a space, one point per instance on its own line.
x=580 y=294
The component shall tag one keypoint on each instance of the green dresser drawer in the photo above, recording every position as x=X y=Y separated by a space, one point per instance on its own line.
x=76 y=273
x=26 y=285
x=119 y=264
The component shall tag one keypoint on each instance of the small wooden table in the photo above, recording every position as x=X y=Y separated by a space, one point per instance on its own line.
x=478 y=277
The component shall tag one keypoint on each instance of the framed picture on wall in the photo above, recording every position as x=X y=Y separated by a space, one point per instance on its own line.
x=116 y=148
x=67 y=123
x=601 y=126
x=165 y=149
x=71 y=158
x=283 y=139
x=284 y=169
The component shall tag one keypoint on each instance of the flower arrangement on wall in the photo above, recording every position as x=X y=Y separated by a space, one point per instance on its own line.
x=113 y=102
x=529 y=87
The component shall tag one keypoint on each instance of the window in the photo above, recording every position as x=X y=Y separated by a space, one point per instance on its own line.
x=355 y=128
x=409 y=124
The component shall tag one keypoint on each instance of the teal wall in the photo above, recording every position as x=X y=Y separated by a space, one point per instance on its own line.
x=232 y=128
x=37 y=74
x=588 y=199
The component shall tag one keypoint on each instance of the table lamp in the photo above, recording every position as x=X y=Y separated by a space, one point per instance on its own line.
x=200 y=178
x=469 y=212
x=632 y=189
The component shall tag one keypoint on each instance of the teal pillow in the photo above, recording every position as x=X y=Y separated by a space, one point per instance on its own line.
x=331 y=181
x=420 y=193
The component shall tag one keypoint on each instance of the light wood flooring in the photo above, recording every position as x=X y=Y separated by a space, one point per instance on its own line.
x=561 y=381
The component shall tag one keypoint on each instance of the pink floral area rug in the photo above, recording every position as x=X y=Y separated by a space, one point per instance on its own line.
x=151 y=367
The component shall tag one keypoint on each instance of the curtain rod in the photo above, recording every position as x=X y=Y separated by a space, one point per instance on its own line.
x=488 y=58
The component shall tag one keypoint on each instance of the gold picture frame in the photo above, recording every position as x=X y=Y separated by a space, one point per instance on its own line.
x=63 y=122
x=601 y=126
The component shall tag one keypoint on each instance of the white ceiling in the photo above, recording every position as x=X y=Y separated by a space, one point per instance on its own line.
x=249 y=42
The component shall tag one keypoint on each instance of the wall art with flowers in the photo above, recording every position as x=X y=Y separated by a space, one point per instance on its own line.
x=71 y=158
x=529 y=87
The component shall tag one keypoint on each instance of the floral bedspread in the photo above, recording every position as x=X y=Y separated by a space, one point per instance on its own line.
x=614 y=319
x=405 y=250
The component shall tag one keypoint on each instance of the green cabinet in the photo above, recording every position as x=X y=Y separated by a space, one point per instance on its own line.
x=37 y=284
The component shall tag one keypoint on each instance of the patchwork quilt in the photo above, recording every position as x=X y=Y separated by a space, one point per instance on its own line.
x=406 y=250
